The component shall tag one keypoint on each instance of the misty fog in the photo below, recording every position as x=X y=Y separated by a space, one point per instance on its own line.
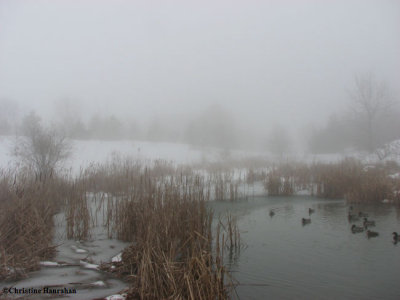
x=226 y=74
x=199 y=149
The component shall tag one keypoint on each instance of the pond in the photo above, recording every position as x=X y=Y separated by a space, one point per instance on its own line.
x=282 y=259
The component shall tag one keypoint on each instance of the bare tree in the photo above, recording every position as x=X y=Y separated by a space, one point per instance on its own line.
x=371 y=104
x=42 y=149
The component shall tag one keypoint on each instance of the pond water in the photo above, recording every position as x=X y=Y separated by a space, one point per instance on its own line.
x=282 y=259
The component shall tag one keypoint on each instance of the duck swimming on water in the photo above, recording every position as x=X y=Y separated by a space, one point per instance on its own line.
x=271 y=213
x=310 y=211
x=305 y=221
x=356 y=229
x=396 y=237
x=372 y=234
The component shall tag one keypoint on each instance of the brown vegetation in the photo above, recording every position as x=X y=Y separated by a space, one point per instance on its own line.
x=348 y=179
x=26 y=222
x=162 y=211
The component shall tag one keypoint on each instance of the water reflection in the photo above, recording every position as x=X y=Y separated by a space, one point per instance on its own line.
x=323 y=260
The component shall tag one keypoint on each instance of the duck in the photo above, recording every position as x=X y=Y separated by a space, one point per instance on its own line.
x=356 y=229
x=305 y=221
x=368 y=223
x=361 y=214
x=396 y=237
x=310 y=211
x=271 y=213
x=372 y=234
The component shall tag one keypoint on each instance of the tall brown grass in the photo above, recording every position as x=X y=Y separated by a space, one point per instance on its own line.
x=162 y=210
x=163 y=213
x=348 y=179
x=27 y=206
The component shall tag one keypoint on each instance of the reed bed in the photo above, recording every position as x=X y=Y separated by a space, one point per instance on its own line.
x=161 y=209
x=77 y=211
x=164 y=216
x=373 y=185
x=348 y=179
x=27 y=206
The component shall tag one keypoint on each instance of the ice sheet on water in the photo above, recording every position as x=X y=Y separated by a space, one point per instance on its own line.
x=49 y=264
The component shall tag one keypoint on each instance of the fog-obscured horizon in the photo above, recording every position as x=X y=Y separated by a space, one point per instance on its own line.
x=234 y=74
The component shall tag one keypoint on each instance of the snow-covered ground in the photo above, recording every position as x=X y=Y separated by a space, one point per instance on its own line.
x=87 y=152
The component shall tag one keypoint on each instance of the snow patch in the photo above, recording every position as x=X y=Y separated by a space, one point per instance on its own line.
x=78 y=250
x=303 y=193
x=117 y=297
x=394 y=176
x=387 y=201
x=98 y=283
x=117 y=258
x=50 y=264
x=87 y=265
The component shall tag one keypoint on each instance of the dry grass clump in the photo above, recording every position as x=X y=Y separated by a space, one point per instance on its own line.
x=157 y=275
x=228 y=234
x=27 y=207
x=253 y=176
x=224 y=185
x=279 y=186
x=322 y=180
x=356 y=182
x=280 y=180
x=163 y=213
x=77 y=211
x=171 y=253
x=373 y=185
x=335 y=180
x=348 y=179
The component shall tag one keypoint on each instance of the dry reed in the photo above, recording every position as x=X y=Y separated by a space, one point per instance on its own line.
x=26 y=222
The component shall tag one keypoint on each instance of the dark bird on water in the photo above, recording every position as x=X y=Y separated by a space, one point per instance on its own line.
x=396 y=237
x=356 y=229
x=372 y=234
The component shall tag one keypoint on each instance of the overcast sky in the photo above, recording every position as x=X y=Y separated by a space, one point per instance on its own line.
x=260 y=59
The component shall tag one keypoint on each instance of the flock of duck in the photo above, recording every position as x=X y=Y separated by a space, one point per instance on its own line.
x=352 y=217
x=366 y=223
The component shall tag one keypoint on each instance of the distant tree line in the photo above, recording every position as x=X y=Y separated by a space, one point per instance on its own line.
x=212 y=127
x=371 y=121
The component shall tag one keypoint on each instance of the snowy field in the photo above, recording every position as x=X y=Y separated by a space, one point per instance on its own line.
x=87 y=152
